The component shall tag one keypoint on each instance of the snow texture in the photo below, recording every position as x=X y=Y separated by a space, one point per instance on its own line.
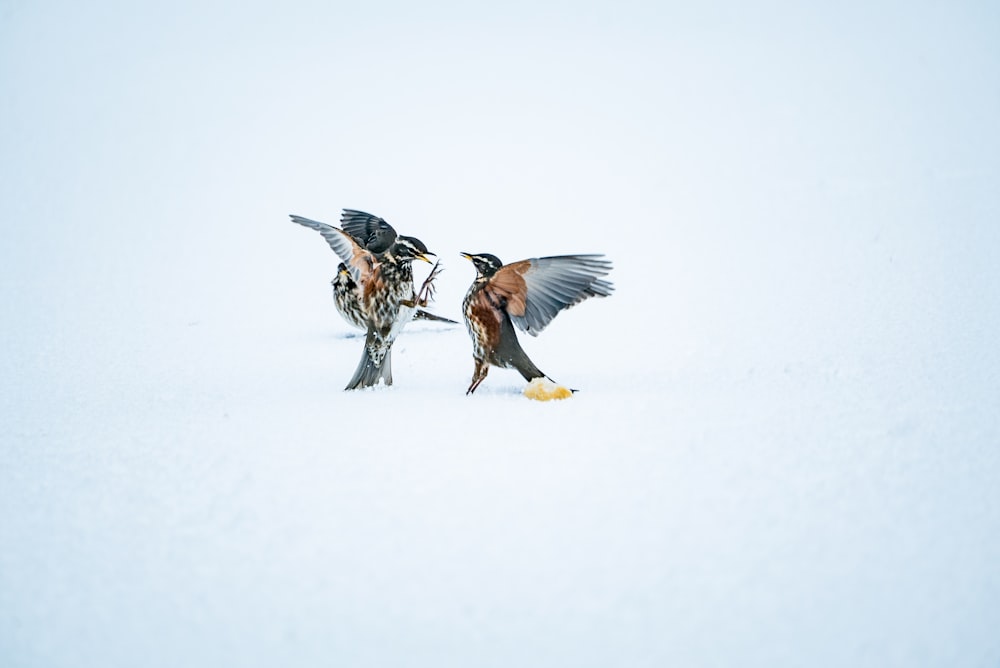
x=784 y=448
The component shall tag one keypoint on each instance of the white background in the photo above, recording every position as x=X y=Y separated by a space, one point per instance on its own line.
x=784 y=450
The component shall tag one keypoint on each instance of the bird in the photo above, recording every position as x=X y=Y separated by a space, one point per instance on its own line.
x=388 y=301
x=526 y=294
x=345 y=297
x=376 y=235
x=372 y=234
x=374 y=291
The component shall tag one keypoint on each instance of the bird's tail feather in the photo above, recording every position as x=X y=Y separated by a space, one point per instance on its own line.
x=370 y=371
x=509 y=353
x=421 y=314
x=526 y=367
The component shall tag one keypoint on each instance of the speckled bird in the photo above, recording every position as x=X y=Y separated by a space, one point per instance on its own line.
x=372 y=234
x=375 y=291
x=526 y=294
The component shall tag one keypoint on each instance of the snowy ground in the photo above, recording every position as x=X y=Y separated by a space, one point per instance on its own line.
x=784 y=450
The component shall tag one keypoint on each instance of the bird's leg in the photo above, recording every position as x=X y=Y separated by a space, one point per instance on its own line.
x=479 y=375
x=426 y=294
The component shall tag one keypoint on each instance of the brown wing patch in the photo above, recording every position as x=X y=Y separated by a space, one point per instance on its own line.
x=364 y=262
x=509 y=283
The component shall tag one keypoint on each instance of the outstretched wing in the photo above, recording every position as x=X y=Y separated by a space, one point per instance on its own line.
x=358 y=259
x=536 y=290
x=371 y=231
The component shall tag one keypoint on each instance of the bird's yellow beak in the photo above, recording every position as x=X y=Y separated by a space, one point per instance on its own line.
x=423 y=256
x=467 y=256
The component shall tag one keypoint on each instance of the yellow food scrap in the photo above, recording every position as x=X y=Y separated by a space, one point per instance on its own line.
x=541 y=389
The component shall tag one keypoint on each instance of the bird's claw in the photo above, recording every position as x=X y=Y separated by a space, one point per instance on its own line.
x=426 y=294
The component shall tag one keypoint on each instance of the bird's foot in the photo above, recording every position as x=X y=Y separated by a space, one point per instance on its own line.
x=426 y=294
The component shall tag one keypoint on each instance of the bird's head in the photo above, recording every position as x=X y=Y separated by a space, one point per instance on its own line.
x=486 y=264
x=411 y=248
x=344 y=279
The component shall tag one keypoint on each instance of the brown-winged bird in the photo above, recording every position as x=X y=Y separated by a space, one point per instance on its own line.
x=374 y=290
x=527 y=294
x=372 y=234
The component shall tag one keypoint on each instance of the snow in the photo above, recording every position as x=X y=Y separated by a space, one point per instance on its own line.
x=783 y=450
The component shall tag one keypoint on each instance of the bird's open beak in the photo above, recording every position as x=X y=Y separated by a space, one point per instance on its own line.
x=423 y=256
x=467 y=256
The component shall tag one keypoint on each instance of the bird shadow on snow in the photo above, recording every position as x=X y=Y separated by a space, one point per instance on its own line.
x=411 y=330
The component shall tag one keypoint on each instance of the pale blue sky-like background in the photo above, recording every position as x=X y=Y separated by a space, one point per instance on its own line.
x=784 y=451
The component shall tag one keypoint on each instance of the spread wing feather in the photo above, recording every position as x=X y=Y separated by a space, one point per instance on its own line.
x=347 y=249
x=371 y=231
x=534 y=291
